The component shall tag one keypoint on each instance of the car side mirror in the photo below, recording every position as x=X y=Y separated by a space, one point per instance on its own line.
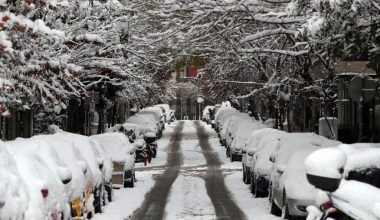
x=251 y=152
x=244 y=151
x=272 y=158
x=281 y=169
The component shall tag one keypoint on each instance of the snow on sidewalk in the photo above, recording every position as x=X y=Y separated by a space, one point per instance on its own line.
x=188 y=200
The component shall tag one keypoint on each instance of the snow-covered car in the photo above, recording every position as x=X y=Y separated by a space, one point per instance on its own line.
x=51 y=158
x=240 y=134
x=208 y=114
x=132 y=131
x=48 y=199
x=147 y=122
x=95 y=163
x=349 y=175
x=256 y=164
x=81 y=191
x=166 y=111
x=287 y=146
x=158 y=116
x=222 y=115
x=229 y=123
x=123 y=157
x=14 y=196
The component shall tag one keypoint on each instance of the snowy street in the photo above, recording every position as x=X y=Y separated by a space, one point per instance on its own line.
x=197 y=182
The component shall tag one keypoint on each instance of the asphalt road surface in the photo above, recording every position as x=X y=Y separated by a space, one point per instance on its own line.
x=153 y=207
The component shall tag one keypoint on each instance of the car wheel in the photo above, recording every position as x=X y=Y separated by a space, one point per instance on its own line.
x=274 y=209
x=244 y=175
x=228 y=152
x=232 y=156
x=247 y=178
x=130 y=184
x=252 y=186
x=258 y=194
x=154 y=152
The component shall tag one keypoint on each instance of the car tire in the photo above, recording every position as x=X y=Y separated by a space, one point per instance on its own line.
x=154 y=152
x=232 y=156
x=259 y=194
x=247 y=178
x=228 y=152
x=252 y=186
x=274 y=209
x=130 y=184
x=244 y=175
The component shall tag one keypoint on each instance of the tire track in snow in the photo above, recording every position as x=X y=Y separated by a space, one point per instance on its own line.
x=153 y=207
x=225 y=206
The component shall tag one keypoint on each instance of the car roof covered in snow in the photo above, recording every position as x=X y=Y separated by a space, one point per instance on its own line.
x=292 y=142
x=116 y=145
x=75 y=162
x=88 y=151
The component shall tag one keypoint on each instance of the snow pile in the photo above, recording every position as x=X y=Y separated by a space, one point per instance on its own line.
x=328 y=162
x=14 y=197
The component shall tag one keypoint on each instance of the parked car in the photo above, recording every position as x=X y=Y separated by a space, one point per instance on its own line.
x=95 y=163
x=158 y=115
x=287 y=146
x=123 y=157
x=256 y=164
x=147 y=122
x=46 y=192
x=208 y=114
x=81 y=193
x=240 y=134
x=132 y=131
x=166 y=110
x=349 y=175
x=228 y=124
x=213 y=121
x=14 y=194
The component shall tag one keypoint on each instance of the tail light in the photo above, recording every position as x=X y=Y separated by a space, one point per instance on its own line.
x=44 y=192
x=326 y=205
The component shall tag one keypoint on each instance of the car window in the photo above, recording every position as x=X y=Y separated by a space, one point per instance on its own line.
x=368 y=175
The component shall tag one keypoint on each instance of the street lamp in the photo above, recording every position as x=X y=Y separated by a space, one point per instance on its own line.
x=200 y=100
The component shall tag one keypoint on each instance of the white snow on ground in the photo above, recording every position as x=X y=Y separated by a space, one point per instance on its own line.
x=189 y=131
x=188 y=200
x=192 y=153
x=127 y=200
x=254 y=208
